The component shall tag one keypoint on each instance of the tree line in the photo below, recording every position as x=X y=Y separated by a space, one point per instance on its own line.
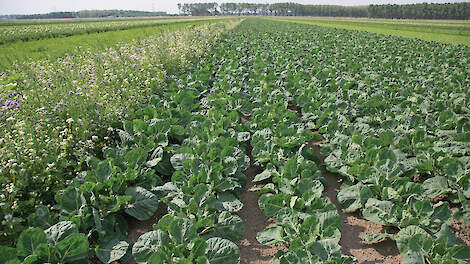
x=421 y=11
x=278 y=9
x=409 y=11
x=90 y=14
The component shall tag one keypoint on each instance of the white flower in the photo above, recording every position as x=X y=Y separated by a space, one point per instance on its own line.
x=70 y=120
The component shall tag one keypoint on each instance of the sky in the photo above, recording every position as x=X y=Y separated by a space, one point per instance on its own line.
x=45 y=6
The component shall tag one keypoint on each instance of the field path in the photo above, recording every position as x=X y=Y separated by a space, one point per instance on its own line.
x=254 y=220
x=251 y=251
x=354 y=227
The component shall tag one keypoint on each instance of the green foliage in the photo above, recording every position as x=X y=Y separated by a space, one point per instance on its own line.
x=42 y=47
x=394 y=139
x=34 y=31
x=57 y=119
x=440 y=31
x=276 y=9
x=92 y=14
x=422 y=11
x=58 y=244
x=398 y=149
x=417 y=246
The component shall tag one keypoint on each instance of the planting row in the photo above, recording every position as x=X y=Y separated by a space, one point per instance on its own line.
x=307 y=225
x=394 y=124
x=55 y=115
x=178 y=151
x=395 y=127
x=285 y=95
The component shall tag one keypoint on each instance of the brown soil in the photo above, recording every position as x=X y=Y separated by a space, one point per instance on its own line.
x=251 y=251
x=254 y=220
x=461 y=231
x=354 y=227
x=295 y=108
x=138 y=228
x=246 y=118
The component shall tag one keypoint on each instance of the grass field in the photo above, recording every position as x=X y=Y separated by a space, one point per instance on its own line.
x=52 y=48
x=73 y=27
x=452 y=32
x=24 y=22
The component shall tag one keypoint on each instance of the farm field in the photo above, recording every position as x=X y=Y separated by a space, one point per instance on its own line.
x=18 y=22
x=254 y=141
x=51 y=48
x=452 y=32
x=26 y=31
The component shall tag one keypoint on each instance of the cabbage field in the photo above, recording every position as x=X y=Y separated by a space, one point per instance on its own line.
x=273 y=108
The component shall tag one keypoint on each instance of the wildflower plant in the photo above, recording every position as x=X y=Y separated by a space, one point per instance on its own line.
x=55 y=115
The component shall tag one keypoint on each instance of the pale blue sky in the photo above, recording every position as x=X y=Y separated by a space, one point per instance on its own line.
x=44 y=6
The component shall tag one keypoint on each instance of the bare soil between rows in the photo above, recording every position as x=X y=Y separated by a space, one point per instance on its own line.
x=354 y=227
x=252 y=252
x=254 y=220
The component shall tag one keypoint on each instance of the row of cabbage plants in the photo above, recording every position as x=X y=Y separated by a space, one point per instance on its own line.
x=55 y=115
x=293 y=82
x=272 y=85
x=394 y=124
x=306 y=224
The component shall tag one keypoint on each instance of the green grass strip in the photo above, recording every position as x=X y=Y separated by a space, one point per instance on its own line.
x=19 y=52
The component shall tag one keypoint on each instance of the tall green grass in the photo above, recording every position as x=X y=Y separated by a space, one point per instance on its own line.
x=10 y=34
x=18 y=52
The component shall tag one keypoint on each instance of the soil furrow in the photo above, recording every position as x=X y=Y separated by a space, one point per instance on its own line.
x=354 y=227
x=251 y=251
x=254 y=220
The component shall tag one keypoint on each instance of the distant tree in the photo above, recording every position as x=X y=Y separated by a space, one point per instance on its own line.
x=421 y=11
x=199 y=9
x=92 y=14
x=292 y=9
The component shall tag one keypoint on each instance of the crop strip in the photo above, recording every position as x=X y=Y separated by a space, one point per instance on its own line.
x=10 y=34
x=163 y=142
x=188 y=148
x=329 y=105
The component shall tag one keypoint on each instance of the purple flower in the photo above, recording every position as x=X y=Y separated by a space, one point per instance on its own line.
x=8 y=217
x=9 y=104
